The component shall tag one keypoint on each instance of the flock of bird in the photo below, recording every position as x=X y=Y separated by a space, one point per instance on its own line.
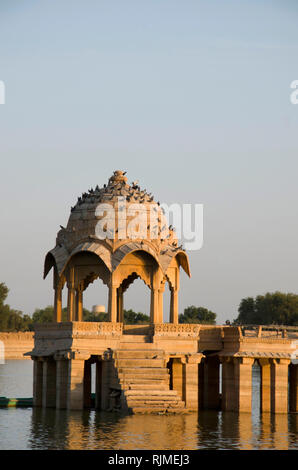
x=131 y=193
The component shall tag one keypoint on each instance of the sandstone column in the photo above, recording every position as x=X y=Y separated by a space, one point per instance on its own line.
x=106 y=370
x=174 y=306
x=279 y=385
x=294 y=388
x=75 y=395
x=228 y=389
x=62 y=366
x=49 y=383
x=191 y=381
x=58 y=304
x=37 y=382
x=177 y=376
x=70 y=304
x=265 y=385
x=71 y=297
x=120 y=311
x=160 y=303
x=154 y=314
x=243 y=383
x=113 y=303
x=79 y=304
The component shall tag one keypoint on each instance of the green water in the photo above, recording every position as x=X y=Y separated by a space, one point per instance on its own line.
x=28 y=428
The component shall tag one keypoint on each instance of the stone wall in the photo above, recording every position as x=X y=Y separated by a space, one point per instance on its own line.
x=16 y=344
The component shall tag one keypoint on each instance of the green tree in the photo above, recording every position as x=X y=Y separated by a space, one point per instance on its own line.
x=194 y=314
x=272 y=308
x=133 y=318
x=46 y=315
x=43 y=315
x=4 y=309
x=90 y=316
x=11 y=320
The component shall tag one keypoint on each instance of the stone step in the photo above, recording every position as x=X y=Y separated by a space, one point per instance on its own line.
x=155 y=403
x=138 y=354
x=144 y=377
x=153 y=399
x=152 y=393
x=144 y=386
x=146 y=372
x=139 y=363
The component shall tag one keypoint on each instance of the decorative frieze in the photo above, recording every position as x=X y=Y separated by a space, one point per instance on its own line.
x=180 y=329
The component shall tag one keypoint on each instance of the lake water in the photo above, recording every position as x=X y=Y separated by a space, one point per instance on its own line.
x=27 y=428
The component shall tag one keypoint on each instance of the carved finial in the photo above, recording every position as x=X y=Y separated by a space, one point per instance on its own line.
x=118 y=177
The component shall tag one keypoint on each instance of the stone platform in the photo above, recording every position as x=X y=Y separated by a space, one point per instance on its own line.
x=162 y=367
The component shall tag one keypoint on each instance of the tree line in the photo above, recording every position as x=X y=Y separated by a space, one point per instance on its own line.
x=272 y=308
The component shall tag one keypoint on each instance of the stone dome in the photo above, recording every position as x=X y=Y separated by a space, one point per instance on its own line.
x=80 y=232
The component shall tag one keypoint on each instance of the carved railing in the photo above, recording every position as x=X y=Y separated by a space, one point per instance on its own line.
x=269 y=331
x=70 y=329
x=181 y=329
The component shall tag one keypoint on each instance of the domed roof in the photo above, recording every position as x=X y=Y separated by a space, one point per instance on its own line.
x=81 y=231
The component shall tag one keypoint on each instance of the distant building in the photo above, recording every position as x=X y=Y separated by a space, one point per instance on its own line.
x=98 y=309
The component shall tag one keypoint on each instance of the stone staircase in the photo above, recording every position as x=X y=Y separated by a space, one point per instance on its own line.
x=144 y=378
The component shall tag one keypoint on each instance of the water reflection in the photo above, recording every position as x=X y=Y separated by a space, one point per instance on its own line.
x=58 y=429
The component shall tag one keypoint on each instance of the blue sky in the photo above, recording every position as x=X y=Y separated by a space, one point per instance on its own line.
x=191 y=98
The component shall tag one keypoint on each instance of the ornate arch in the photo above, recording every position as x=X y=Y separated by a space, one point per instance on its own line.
x=132 y=273
x=57 y=258
x=97 y=248
x=131 y=247
x=182 y=259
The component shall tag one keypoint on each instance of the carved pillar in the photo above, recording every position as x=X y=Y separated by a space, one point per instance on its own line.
x=174 y=306
x=71 y=296
x=243 y=383
x=79 y=304
x=37 y=382
x=70 y=304
x=58 y=303
x=154 y=317
x=191 y=381
x=177 y=376
x=279 y=385
x=106 y=377
x=265 y=385
x=227 y=383
x=112 y=303
x=49 y=383
x=120 y=311
x=62 y=366
x=293 y=387
x=75 y=395
x=160 y=303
